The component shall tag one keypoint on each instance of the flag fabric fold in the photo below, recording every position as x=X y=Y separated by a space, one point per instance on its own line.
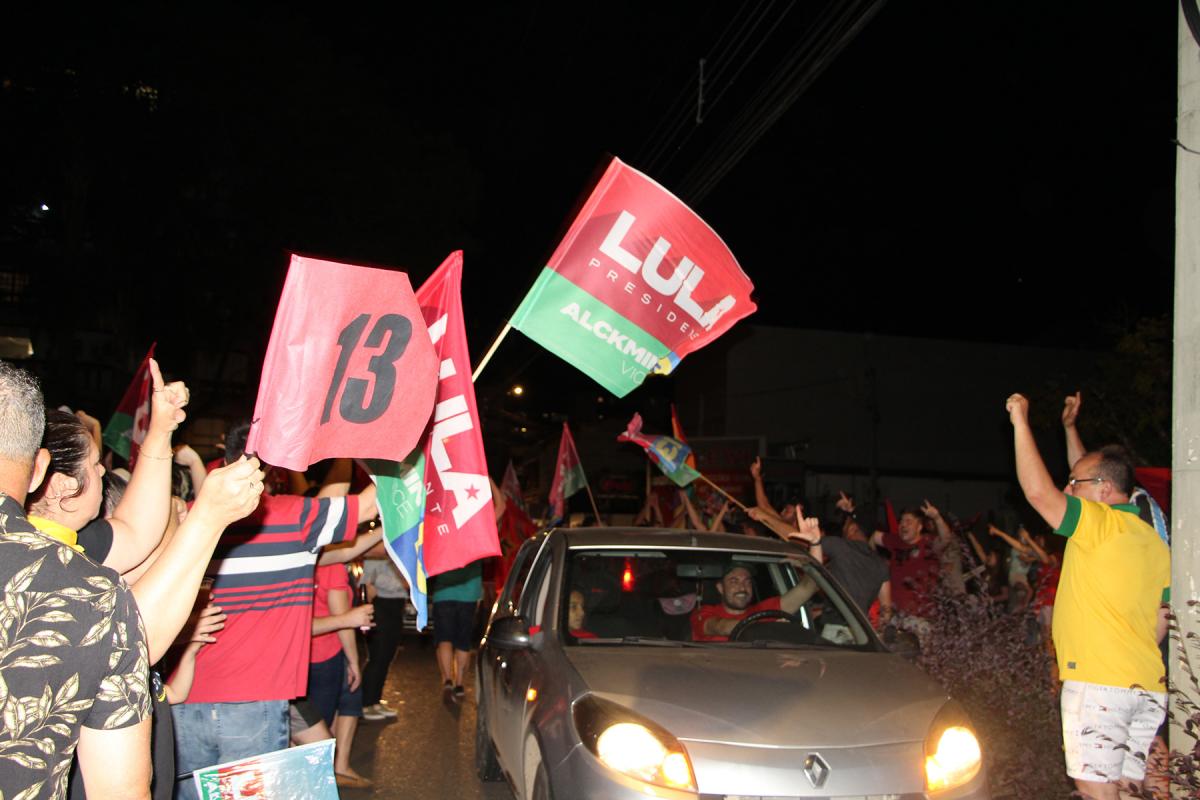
x=511 y=486
x=400 y=494
x=670 y=455
x=349 y=370
x=639 y=282
x=569 y=477
x=677 y=432
x=127 y=428
x=459 y=517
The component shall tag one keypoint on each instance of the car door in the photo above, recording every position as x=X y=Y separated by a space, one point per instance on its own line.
x=494 y=661
x=515 y=673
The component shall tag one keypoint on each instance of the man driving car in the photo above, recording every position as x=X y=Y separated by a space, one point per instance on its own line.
x=713 y=622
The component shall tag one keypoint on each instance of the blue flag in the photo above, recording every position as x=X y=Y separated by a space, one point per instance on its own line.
x=401 y=498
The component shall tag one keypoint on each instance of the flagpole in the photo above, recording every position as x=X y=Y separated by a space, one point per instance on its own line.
x=724 y=493
x=595 y=510
x=491 y=351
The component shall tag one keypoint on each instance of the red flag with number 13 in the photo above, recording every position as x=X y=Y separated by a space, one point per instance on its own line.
x=349 y=372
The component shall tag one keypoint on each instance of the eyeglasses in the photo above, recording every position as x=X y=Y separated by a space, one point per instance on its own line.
x=1075 y=481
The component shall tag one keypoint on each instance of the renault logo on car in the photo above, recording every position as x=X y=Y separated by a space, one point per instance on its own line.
x=816 y=770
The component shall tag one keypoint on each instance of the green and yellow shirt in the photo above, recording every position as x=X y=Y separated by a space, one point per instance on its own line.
x=1115 y=573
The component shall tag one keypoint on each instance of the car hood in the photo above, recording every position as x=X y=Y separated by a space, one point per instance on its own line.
x=775 y=698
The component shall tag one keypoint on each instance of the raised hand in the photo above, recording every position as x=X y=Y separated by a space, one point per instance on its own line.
x=930 y=510
x=1018 y=408
x=1070 y=412
x=231 y=492
x=167 y=401
x=844 y=503
x=756 y=469
x=808 y=529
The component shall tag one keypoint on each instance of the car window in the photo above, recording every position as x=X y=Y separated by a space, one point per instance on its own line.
x=533 y=601
x=657 y=593
x=516 y=579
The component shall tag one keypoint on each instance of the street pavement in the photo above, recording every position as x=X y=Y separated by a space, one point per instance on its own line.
x=428 y=750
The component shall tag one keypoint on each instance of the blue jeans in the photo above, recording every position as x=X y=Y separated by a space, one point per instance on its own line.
x=213 y=733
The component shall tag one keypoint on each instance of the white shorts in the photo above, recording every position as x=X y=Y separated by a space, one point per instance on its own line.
x=1107 y=730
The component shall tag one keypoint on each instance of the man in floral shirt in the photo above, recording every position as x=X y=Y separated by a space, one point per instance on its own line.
x=73 y=659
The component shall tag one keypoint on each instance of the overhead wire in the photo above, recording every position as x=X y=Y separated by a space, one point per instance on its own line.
x=718 y=55
x=827 y=38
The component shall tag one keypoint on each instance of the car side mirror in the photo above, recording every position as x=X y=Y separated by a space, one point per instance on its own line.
x=509 y=633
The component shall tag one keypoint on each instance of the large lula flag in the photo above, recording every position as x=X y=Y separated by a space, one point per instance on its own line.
x=639 y=282
x=401 y=495
x=459 y=517
x=126 y=429
x=349 y=370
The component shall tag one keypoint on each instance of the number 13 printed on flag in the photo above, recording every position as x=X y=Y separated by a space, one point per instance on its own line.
x=349 y=371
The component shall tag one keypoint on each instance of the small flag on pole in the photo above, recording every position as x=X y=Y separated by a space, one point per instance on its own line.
x=126 y=429
x=511 y=486
x=669 y=454
x=677 y=432
x=568 y=474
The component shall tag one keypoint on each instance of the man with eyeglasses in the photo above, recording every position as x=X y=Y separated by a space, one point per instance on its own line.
x=1116 y=572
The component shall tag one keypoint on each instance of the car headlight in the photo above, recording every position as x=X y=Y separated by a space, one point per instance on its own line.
x=952 y=754
x=632 y=744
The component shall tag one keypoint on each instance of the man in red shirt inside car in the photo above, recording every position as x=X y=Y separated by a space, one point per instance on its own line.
x=712 y=623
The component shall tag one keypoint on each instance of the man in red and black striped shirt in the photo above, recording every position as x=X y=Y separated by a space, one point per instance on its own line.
x=262 y=573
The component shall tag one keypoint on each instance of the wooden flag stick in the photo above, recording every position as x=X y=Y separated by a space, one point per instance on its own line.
x=724 y=493
x=596 y=511
x=491 y=351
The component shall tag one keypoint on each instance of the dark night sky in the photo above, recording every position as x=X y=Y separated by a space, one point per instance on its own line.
x=1000 y=172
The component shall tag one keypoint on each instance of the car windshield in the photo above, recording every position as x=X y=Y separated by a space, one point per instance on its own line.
x=664 y=596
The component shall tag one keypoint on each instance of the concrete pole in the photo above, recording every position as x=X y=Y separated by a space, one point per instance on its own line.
x=1185 y=434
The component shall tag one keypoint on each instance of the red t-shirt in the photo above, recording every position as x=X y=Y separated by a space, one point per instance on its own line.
x=331 y=577
x=262 y=574
x=914 y=569
x=717 y=611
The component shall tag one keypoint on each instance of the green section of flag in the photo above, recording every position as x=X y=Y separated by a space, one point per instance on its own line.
x=118 y=433
x=573 y=479
x=682 y=476
x=583 y=331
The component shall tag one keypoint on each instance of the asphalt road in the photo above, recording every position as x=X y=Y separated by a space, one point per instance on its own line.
x=428 y=750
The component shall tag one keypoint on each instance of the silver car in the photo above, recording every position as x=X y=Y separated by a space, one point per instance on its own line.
x=597 y=679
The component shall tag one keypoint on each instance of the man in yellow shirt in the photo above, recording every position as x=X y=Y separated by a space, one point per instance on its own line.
x=1107 y=619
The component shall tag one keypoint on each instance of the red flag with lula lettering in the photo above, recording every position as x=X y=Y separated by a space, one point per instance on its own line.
x=460 y=524
x=639 y=282
x=349 y=370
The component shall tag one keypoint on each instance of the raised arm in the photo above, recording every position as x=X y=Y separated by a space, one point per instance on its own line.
x=140 y=518
x=693 y=514
x=345 y=553
x=1070 y=415
x=1041 y=554
x=977 y=547
x=190 y=460
x=166 y=593
x=1046 y=498
x=1013 y=543
x=719 y=518
x=760 y=491
x=945 y=534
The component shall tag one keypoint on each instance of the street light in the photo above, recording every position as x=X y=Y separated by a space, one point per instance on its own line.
x=517 y=390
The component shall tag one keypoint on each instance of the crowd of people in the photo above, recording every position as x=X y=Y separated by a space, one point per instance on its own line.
x=176 y=615
x=180 y=615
